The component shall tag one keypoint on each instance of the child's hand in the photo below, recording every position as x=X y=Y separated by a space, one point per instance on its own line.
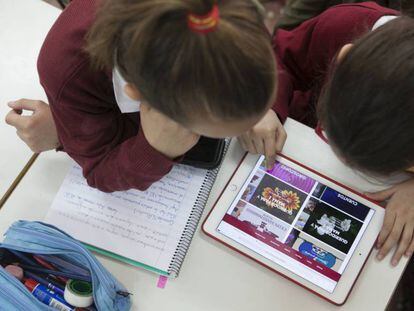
x=165 y=135
x=38 y=131
x=398 y=224
x=267 y=137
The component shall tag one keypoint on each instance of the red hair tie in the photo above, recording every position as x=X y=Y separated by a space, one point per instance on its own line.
x=204 y=23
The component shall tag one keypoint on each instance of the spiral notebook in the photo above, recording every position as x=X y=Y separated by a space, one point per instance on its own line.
x=152 y=229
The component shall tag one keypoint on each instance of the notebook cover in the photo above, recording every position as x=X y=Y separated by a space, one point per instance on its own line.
x=125 y=259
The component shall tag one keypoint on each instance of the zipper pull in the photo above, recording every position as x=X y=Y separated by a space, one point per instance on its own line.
x=123 y=294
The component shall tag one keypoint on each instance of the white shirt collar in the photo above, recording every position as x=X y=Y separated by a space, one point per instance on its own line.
x=383 y=20
x=125 y=103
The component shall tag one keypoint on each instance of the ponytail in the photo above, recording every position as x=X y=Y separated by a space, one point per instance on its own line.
x=228 y=73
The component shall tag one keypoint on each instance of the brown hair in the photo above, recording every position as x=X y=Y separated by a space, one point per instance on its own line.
x=228 y=73
x=407 y=8
x=367 y=107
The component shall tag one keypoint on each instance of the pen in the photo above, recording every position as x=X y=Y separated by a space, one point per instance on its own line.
x=64 y=265
x=46 y=296
x=55 y=288
x=32 y=264
x=44 y=263
x=51 y=278
x=47 y=265
x=56 y=273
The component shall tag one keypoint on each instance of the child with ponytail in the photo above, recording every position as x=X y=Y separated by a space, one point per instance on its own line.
x=132 y=85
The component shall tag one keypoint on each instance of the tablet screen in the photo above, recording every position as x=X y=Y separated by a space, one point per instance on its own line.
x=297 y=222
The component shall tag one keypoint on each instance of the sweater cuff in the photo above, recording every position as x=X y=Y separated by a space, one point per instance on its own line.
x=149 y=159
x=281 y=112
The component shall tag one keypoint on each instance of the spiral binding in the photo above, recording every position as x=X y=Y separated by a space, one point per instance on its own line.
x=193 y=220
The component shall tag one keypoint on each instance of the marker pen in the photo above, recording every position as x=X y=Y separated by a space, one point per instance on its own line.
x=47 y=296
x=46 y=283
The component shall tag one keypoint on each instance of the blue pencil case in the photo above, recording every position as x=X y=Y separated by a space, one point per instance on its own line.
x=43 y=239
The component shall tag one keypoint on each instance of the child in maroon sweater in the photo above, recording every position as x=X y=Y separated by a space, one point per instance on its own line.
x=367 y=111
x=134 y=85
x=304 y=56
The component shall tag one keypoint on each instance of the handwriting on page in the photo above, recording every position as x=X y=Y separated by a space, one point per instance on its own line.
x=145 y=219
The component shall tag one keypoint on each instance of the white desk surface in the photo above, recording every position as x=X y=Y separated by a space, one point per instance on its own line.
x=213 y=277
x=23 y=27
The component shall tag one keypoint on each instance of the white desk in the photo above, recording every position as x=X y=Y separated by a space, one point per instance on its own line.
x=213 y=277
x=23 y=27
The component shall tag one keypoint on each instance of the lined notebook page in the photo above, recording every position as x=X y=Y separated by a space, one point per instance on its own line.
x=144 y=226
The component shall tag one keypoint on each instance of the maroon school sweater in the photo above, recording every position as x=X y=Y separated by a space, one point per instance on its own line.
x=304 y=55
x=110 y=146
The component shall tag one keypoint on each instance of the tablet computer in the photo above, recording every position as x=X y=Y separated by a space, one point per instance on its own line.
x=297 y=222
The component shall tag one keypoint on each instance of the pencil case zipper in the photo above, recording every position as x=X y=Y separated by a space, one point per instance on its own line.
x=45 y=236
x=81 y=250
x=17 y=302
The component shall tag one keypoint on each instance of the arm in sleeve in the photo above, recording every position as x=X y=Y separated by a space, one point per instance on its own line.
x=109 y=146
x=305 y=54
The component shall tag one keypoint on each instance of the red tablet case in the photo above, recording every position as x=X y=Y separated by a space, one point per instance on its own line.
x=268 y=267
